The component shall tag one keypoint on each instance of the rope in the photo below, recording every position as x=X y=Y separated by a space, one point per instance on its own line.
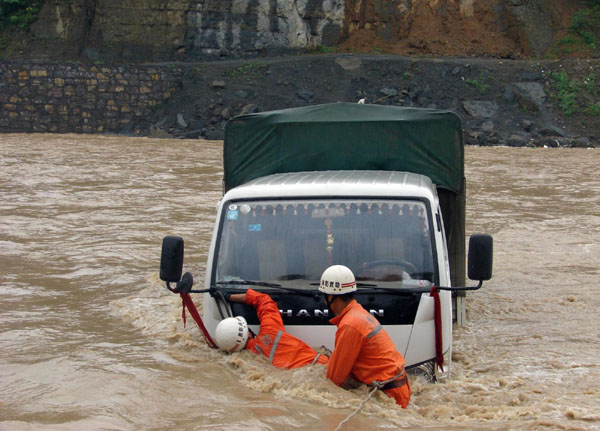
x=358 y=409
x=376 y=385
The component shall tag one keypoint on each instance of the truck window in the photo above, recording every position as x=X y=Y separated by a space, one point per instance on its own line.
x=380 y=240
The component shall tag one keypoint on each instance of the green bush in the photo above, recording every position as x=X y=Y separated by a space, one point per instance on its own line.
x=573 y=96
x=320 y=49
x=19 y=13
x=247 y=71
x=482 y=87
x=593 y=110
x=584 y=31
x=586 y=24
x=567 y=93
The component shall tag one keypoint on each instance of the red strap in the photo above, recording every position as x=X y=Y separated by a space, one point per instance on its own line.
x=437 y=320
x=187 y=302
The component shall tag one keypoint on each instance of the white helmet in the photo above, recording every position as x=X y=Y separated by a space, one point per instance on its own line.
x=231 y=334
x=337 y=280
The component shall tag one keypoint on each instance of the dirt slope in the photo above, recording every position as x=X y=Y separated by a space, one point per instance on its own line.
x=506 y=29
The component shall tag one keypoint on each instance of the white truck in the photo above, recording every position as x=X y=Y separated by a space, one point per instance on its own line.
x=378 y=189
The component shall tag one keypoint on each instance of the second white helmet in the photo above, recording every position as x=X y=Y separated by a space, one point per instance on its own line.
x=231 y=334
x=337 y=280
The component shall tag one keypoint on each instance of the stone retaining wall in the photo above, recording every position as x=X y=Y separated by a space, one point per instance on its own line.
x=501 y=102
x=78 y=98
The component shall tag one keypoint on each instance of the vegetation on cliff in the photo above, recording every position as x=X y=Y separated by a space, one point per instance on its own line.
x=19 y=13
x=583 y=34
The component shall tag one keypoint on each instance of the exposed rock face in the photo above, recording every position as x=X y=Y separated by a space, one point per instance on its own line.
x=197 y=28
x=176 y=30
x=218 y=26
x=529 y=14
x=113 y=29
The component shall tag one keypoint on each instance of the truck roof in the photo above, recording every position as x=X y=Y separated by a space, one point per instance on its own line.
x=345 y=136
x=336 y=183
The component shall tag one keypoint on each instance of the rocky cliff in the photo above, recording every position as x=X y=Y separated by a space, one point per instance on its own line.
x=169 y=30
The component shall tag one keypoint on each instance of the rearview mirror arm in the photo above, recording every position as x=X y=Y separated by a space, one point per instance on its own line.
x=462 y=288
x=190 y=291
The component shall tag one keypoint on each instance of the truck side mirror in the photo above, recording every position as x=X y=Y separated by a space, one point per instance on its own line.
x=171 y=259
x=481 y=250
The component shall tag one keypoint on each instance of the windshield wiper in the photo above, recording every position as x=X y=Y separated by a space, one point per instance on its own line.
x=265 y=284
x=374 y=287
x=248 y=283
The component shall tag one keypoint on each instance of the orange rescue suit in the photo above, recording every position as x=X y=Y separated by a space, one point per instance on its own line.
x=282 y=349
x=365 y=352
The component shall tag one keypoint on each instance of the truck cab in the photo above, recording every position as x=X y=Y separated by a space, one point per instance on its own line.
x=284 y=230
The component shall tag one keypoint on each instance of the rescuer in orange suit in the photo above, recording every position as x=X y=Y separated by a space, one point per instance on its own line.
x=280 y=348
x=363 y=350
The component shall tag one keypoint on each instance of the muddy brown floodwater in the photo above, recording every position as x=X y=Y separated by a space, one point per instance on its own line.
x=91 y=339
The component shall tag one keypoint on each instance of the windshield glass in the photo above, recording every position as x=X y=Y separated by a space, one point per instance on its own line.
x=290 y=242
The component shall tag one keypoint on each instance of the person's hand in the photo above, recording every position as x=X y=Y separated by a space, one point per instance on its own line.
x=215 y=291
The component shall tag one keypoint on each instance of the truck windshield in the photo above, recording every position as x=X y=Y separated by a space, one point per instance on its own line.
x=382 y=241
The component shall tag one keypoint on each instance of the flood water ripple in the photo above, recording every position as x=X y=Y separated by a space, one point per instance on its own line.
x=91 y=339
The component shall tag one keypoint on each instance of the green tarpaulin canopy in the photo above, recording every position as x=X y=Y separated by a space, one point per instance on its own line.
x=352 y=136
x=345 y=136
